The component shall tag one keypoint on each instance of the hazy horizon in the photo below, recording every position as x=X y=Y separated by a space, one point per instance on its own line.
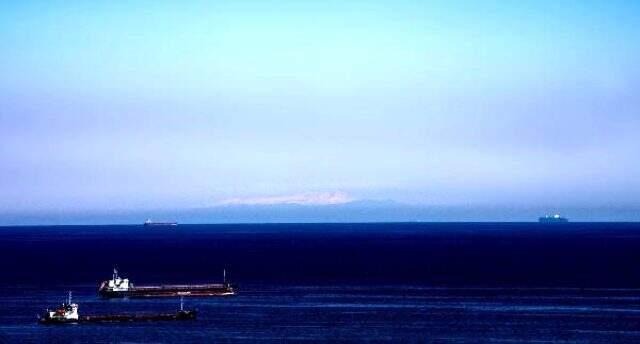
x=357 y=211
x=159 y=105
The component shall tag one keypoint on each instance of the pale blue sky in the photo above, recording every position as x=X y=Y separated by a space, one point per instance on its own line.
x=159 y=104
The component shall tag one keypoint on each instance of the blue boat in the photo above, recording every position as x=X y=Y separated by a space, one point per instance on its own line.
x=553 y=219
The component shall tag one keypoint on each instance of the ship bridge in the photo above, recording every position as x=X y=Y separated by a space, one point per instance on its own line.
x=117 y=283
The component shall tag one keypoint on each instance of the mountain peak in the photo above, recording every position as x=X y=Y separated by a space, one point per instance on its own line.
x=318 y=198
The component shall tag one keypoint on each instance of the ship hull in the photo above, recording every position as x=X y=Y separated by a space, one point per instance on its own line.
x=552 y=220
x=168 y=291
x=160 y=224
x=181 y=315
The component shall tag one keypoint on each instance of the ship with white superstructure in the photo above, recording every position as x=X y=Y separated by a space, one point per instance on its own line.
x=67 y=313
x=122 y=287
x=556 y=218
x=149 y=223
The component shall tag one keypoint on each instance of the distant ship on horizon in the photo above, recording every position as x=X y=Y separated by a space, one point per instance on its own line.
x=553 y=219
x=149 y=223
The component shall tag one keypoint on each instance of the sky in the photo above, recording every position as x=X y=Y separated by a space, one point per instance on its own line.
x=153 y=104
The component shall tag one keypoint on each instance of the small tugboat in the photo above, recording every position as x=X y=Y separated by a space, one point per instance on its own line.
x=122 y=287
x=68 y=314
x=553 y=219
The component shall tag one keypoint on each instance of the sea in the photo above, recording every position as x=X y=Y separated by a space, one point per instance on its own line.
x=365 y=282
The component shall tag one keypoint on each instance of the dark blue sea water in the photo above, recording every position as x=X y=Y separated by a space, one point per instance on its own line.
x=408 y=282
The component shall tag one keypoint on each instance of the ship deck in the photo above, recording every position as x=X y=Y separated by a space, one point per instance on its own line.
x=180 y=315
x=185 y=287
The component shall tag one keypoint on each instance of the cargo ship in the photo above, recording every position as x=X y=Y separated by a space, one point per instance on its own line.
x=122 y=287
x=149 y=223
x=553 y=219
x=67 y=313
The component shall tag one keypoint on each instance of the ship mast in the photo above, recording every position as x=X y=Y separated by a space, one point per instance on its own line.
x=69 y=298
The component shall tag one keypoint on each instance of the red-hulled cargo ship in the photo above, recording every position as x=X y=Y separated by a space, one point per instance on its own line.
x=122 y=287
